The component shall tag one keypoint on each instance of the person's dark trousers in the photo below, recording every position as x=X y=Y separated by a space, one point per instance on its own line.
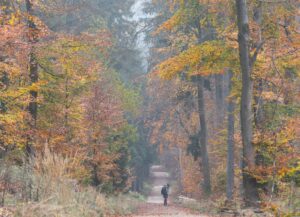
x=165 y=201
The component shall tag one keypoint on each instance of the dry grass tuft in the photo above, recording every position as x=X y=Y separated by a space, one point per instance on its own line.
x=50 y=190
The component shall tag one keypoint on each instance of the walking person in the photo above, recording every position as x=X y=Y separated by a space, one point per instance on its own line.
x=165 y=193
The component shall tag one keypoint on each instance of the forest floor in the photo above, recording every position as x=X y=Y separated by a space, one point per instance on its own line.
x=154 y=206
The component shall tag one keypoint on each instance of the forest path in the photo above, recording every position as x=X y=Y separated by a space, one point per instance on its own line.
x=154 y=206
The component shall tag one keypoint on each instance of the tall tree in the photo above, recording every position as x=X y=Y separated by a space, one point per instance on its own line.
x=230 y=142
x=187 y=20
x=33 y=73
x=203 y=136
x=249 y=182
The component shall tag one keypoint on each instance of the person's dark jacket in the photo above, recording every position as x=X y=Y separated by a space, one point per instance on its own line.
x=164 y=191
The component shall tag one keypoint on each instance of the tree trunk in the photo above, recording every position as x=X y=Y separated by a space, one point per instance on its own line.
x=33 y=75
x=258 y=108
x=219 y=90
x=249 y=182
x=203 y=137
x=230 y=144
x=68 y=135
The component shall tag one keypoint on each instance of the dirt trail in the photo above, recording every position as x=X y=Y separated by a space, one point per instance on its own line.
x=154 y=206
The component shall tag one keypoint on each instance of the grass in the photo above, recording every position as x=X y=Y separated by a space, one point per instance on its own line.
x=45 y=189
x=88 y=203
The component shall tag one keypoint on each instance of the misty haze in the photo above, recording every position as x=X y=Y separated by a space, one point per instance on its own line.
x=138 y=108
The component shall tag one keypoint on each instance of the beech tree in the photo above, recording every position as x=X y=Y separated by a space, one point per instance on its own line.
x=230 y=142
x=249 y=183
x=33 y=74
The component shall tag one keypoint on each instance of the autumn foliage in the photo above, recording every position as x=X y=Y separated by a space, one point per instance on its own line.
x=195 y=38
x=84 y=109
x=73 y=92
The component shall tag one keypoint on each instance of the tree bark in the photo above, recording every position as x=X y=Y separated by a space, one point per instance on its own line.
x=33 y=75
x=230 y=144
x=203 y=137
x=258 y=108
x=249 y=182
x=219 y=90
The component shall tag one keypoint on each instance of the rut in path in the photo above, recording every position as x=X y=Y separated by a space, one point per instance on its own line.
x=154 y=206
